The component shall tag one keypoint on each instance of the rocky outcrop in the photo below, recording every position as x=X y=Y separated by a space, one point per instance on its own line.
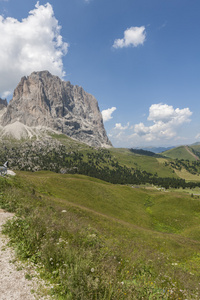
x=3 y=107
x=42 y=99
x=3 y=103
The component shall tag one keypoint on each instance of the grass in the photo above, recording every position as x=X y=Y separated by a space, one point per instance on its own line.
x=179 y=153
x=95 y=240
x=70 y=143
x=142 y=162
x=183 y=173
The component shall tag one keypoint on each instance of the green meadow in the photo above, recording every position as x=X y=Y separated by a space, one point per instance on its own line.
x=143 y=162
x=94 y=240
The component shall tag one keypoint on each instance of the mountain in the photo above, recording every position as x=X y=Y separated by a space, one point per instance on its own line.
x=42 y=101
x=195 y=144
x=187 y=152
x=145 y=152
x=156 y=149
x=3 y=104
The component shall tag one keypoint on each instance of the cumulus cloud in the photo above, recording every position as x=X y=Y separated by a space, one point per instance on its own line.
x=165 y=125
x=119 y=126
x=166 y=113
x=133 y=36
x=107 y=113
x=33 y=44
x=166 y=121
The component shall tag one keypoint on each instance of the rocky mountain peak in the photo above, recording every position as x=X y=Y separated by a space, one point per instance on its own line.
x=3 y=103
x=43 y=99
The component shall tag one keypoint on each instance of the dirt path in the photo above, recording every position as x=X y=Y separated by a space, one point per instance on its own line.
x=13 y=285
x=188 y=150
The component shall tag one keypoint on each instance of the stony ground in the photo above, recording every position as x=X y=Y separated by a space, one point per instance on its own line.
x=13 y=284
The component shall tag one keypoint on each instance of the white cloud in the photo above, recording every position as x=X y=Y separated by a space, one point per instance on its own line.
x=119 y=126
x=166 y=121
x=165 y=127
x=107 y=114
x=133 y=36
x=6 y=94
x=33 y=44
x=166 y=113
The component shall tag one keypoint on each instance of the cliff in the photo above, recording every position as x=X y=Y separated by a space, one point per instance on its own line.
x=44 y=100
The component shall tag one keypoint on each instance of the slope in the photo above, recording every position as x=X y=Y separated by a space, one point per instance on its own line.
x=96 y=240
x=182 y=152
x=59 y=153
x=143 y=162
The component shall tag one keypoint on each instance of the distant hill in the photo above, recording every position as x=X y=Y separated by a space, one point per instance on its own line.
x=144 y=152
x=195 y=144
x=191 y=153
x=157 y=149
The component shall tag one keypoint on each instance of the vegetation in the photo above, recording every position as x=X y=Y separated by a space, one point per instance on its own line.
x=61 y=154
x=191 y=153
x=110 y=239
x=143 y=162
x=145 y=152
x=95 y=240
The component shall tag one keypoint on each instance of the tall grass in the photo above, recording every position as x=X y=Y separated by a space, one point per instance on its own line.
x=88 y=253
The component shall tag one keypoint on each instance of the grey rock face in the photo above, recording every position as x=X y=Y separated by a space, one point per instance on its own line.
x=42 y=99
x=3 y=103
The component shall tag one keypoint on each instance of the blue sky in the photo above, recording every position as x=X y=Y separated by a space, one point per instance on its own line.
x=140 y=59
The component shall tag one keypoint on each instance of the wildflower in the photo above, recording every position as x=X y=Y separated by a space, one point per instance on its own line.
x=64 y=211
x=122 y=283
x=92 y=270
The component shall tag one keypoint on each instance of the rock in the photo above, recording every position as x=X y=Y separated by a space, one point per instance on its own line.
x=3 y=103
x=44 y=100
x=10 y=172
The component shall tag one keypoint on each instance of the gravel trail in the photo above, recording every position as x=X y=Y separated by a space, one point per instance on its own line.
x=13 y=285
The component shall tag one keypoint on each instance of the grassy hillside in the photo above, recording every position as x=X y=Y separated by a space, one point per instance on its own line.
x=61 y=154
x=142 y=162
x=182 y=152
x=70 y=143
x=96 y=240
